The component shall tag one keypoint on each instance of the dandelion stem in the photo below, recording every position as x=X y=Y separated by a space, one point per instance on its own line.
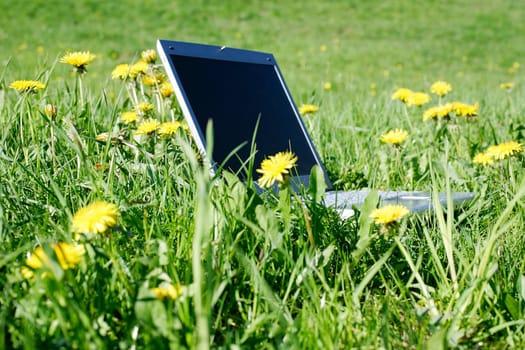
x=30 y=120
x=133 y=93
x=160 y=105
x=407 y=117
x=53 y=155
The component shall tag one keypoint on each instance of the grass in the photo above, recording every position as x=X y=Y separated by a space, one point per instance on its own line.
x=263 y=270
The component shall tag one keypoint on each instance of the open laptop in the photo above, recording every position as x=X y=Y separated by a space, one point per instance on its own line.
x=244 y=93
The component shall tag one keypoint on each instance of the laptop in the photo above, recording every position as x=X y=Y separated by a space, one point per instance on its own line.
x=245 y=95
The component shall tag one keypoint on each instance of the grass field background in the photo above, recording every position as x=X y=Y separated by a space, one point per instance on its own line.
x=264 y=271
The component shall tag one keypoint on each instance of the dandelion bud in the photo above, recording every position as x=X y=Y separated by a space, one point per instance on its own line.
x=149 y=56
x=103 y=137
x=50 y=110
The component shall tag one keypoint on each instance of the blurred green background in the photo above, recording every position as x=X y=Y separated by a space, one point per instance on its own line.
x=350 y=43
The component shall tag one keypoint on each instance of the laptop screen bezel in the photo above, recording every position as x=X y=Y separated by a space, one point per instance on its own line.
x=167 y=48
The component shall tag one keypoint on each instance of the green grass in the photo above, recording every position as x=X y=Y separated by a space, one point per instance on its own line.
x=264 y=270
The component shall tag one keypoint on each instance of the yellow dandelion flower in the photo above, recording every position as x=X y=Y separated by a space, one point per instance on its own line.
x=504 y=150
x=145 y=107
x=394 y=137
x=147 y=127
x=441 y=111
x=506 y=86
x=166 y=90
x=129 y=117
x=139 y=68
x=307 y=109
x=121 y=71
x=389 y=214
x=169 y=128
x=167 y=291
x=465 y=110
x=153 y=80
x=95 y=218
x=402 y=94
x=440 y=88
x=327 y=85
x=68 y=256
x=23 y=86
x=79 y=60
x=418 y=99
x=483 y=158
x=50 y=110
x=37 y=259
x=275 y=167
x=149 y=56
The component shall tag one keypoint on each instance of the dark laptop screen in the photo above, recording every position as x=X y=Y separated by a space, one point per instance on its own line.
x=235 y=95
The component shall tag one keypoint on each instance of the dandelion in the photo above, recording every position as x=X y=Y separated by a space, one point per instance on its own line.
x=95 y=218
x=418 y=99
x=327 y=85
x=50 y=111
x=139 y=68
x=103 y=137
x=441 y=111
x=79 y=60
x=167 y=291
x=67 y=255
x=506 y=86
x=402 y=94
x=23 y=86
x=101 y=166
x=169 y=128
x=395 y=137
x=307 y=109
x=129 y=117
x=504 y=150
x=275 y=167
x=153 y=80
x=147 y=127
x=483 y=158
x=106 y=136
x=166 y=90
x=149 y=56
x=121 y=71
x=145 y=107
x=440 y=88
x=389 y=214
x=465 y=110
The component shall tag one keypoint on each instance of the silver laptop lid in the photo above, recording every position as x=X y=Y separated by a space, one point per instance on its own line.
x=240 y=91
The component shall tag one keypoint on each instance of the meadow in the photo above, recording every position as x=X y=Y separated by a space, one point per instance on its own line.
x=114 y=235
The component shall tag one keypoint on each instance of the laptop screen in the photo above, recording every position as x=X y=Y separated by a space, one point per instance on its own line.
x=242 y=97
